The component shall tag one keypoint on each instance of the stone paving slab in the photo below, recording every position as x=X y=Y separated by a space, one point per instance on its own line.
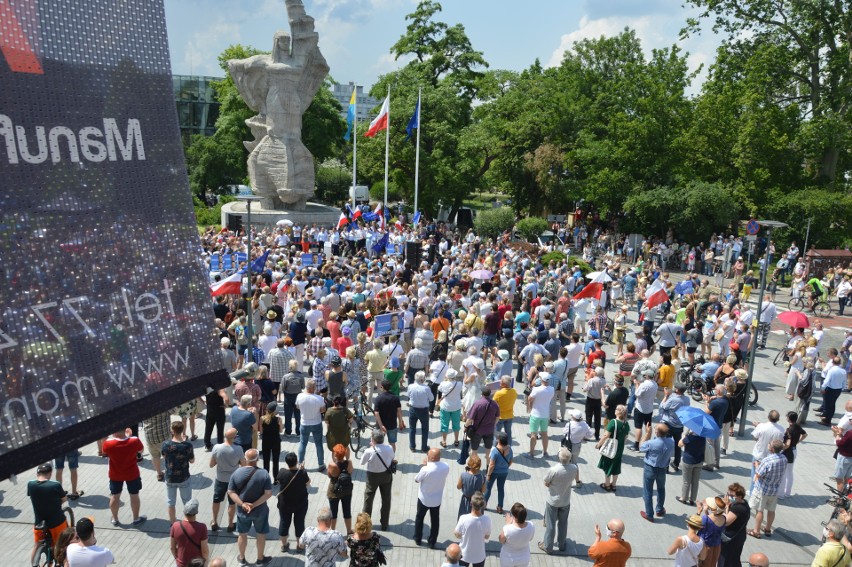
x=795 y=541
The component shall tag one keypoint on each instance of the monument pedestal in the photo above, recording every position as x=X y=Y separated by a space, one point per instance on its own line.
x=234 y=215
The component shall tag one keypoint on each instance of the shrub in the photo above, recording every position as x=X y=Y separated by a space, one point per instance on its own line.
x=570 y=260
x=556 y=256
x=531 y=227
x=377 y=192
x=207 y=216
x=491 y=223
x=584 y=266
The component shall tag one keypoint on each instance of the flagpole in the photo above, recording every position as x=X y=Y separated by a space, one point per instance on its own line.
x=387 y=146
x=417 y=152
x=354 y=143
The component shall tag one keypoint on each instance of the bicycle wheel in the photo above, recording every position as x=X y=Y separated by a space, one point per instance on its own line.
x=796 y=304
x=43 y=556
x=752 y=395
x=355 y=439
x=822 y=309
x=696 y=390
x=779 y=358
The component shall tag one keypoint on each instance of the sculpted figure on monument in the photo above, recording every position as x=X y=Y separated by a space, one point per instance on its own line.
x=280 y=87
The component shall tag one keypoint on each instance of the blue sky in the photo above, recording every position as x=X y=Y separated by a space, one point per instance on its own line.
x=356 y=35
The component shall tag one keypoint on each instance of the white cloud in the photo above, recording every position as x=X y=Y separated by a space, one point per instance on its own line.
x=202 y=50
x=655 y=31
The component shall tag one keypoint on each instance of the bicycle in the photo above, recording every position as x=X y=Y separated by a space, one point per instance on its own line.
x=840 y=501
x=359 y=423
x=44 y=552
x=820 y=308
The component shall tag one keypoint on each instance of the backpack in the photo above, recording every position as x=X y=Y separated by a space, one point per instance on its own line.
x=343 y=483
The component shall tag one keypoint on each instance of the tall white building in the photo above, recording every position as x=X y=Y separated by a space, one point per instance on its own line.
x=367 y=106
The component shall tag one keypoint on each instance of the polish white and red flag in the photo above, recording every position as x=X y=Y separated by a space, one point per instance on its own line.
x=594 y=288
x=380 y=210
x=343 y=221
x=229 y=286
x=380 y=122
x=656 y=294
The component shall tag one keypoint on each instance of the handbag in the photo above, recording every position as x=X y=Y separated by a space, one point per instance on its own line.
x=609 y=448
x=465 y=447
x=566 y=440
x=709 y=454
x=392 y=468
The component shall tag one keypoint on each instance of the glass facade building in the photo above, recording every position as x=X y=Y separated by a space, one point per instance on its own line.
x=197 y=107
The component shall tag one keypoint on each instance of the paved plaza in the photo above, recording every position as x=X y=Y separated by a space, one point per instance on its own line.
x=794 y=542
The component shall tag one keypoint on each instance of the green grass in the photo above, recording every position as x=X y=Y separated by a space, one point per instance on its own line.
x=484 y=200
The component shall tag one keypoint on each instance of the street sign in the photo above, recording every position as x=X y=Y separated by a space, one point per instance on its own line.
x=751 y=247
x=750 y=237
x=752 y=227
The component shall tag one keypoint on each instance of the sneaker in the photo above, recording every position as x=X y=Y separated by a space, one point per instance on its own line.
x=140 y=520
x=321 y=468
x=265 y=561
x=114 y=522
x=242 y=561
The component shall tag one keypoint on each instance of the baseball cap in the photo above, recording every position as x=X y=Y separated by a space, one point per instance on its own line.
x=191 y=508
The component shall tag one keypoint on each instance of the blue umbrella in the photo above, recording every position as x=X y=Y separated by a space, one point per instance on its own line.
x=699 y=421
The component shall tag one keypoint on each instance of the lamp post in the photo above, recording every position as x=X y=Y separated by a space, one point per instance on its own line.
x=248 y=200
x=769 y=224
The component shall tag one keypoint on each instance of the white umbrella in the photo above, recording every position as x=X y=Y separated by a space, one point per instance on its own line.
x=284 y=222
x=600 y=277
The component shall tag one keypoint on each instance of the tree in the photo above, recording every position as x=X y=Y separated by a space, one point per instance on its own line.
x=333 y=181
x=807 y=48
x=446 y=67
x=531 y=227
x=693 y=211
x=491 y=223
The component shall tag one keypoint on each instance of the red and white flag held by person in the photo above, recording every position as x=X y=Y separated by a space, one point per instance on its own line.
x=656 y=294
x=229 y=286
x=594 y=288
x=380 y=210
x=343 y=221
x=380 y=122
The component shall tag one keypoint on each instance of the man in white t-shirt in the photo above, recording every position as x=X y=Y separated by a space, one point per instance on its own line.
x=538 y=404
x=431 y=480
x=87 y=552
x=763 y=434
x=474 y=530
x=311 y=407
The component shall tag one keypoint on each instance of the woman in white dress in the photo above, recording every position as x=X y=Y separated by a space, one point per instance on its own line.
x=473 y=372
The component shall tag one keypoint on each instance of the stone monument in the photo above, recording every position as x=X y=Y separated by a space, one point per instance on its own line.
x=280 y=87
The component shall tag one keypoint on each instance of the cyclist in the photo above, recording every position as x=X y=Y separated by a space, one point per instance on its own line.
x=47 y=497
x=818 y=292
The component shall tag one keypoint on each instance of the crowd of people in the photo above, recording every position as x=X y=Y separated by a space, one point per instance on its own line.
x=485 y=345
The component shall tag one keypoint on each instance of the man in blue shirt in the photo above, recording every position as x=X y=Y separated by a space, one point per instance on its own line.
x=658 y=451
x=708 y=369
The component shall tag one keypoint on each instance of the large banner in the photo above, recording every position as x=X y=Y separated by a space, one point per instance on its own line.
x=105 y=314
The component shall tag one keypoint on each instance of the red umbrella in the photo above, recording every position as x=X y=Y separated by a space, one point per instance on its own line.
x=795 y=319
